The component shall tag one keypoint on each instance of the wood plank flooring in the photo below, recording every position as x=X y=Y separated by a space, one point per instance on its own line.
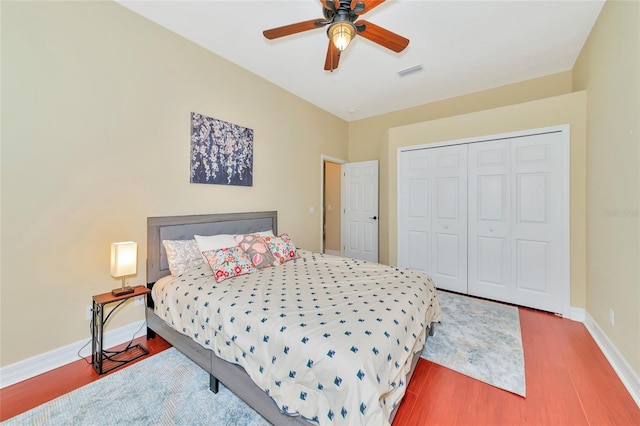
x=568 y=382
x=568 y=379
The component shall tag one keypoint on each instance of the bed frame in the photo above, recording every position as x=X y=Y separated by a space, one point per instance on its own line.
x=231 y=375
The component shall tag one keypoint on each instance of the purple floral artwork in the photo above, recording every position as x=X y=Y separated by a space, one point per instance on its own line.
x=221 y=152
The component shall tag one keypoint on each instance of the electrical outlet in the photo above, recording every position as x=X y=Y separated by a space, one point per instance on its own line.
x=139 y=301
x=89 y=313
x=611 y=317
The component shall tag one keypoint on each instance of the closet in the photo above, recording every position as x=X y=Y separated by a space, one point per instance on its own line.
x=489 y=216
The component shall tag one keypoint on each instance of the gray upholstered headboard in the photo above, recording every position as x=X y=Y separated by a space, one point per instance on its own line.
x=185 y=227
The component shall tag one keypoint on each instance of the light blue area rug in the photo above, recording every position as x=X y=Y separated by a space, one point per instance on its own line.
x=165 y=389
x=479 y=339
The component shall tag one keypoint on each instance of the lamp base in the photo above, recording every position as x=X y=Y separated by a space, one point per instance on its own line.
x=122 y=290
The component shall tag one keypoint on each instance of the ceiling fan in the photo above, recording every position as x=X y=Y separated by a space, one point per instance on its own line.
x=341 y=16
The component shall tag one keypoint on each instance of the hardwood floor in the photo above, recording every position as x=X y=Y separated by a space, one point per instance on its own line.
x=569 y=382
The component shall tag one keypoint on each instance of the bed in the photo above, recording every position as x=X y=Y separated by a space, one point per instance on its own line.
x=319 y=339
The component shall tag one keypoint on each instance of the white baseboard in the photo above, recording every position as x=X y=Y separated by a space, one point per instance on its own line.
x=629 y=378
x=333 y=252
x=31 y=367
x=577 y=314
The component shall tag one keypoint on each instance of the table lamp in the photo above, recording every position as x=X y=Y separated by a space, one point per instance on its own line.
x=124 y=258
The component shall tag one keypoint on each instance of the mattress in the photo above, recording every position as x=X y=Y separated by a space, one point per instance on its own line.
x=327 y=338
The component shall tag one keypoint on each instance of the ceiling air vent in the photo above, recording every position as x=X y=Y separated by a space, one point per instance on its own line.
x=410 y=70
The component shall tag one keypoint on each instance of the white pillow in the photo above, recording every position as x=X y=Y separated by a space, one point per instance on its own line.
x=214 y=242
x=264 y=234
x=182 y=255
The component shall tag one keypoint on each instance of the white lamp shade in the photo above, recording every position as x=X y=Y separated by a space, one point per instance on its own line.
x=124 y=258
x=341 y=34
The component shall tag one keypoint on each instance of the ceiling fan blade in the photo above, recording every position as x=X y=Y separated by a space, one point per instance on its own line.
x=383 y=37
x=333 y=57
x=293 y=28
x=368 y=4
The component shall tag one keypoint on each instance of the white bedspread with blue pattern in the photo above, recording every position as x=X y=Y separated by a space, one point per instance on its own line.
x=328 y=338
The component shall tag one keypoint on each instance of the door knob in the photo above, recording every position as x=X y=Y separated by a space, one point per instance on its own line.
x=373 y=217
x=490 y=229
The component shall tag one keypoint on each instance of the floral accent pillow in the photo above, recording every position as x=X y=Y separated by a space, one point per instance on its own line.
x=214 y=242
x=228 y=262
x=282 y=248
x=257 y=250
x=182 y=255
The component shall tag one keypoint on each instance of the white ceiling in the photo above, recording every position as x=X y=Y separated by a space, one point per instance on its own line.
x=463 y=46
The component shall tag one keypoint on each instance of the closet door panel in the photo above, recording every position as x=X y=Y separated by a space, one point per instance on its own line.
x=446 y=245
x=418 y=253
x=414 y=240
x=448 y=263
x=491 y=255
x=537 y=225
x=532 y=265
x=489 y=217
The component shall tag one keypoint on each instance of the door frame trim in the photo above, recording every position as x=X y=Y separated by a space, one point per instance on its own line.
x=330 y=159
x=565 y=129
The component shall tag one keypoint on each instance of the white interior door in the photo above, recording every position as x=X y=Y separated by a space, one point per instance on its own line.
x=360 y=210
x=449 y=217
x=489 y=220
x=537 y=221
x=414 y=239
x=515 y=220
x=433 y=218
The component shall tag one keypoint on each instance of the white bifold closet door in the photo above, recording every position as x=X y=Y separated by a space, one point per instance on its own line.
x=434 y=214
x=515 y=220
x=485 y=218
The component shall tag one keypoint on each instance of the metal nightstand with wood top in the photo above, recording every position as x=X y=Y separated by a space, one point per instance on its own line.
x=105 y=360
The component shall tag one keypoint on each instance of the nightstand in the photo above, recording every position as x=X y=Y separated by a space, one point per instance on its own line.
x=103 y=360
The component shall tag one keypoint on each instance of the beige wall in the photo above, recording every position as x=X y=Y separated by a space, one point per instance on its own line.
x=95 y=126
x=609 y=69
x=96 y=104
x=564 y=109
x=332 y=205
x=368 y=137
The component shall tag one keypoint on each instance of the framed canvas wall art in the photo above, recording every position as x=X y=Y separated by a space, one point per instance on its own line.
x=221 y=152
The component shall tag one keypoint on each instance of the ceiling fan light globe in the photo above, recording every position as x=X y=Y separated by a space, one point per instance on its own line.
x=341 y=34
